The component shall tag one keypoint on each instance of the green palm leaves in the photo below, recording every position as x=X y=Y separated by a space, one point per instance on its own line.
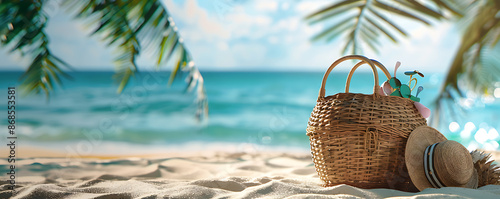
x=366 y=21
x=477 y=61
x=478 y=54
x=22 y=26
x=131 y=27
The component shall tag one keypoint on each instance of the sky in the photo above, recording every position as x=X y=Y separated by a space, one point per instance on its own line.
x=243 y=35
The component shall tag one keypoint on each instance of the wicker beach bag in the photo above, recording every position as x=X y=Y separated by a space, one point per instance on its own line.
x=359 y=139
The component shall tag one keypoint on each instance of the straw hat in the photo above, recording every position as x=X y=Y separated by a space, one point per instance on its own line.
x=448 y=163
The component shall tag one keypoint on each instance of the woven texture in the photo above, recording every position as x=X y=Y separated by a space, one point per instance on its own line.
x=359 y=139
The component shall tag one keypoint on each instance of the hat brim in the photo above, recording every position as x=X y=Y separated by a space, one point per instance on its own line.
x=419 y=139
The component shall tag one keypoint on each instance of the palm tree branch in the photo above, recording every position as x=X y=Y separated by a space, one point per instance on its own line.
x=357 y=26
x=474 y=34
x=419 y=8
x=181 y=63
x=333 y=28
x=349 y=41
x=400 y=12
x=450 y=6
x=380 y=16
x=369 y=40
x=146 y=25
x=22 y=27
x=339 y=31
x=477 y=38
x=333 y=13
x=372 y=13
x=373 y=32
x=382 y=29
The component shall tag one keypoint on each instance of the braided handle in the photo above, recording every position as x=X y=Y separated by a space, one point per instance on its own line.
x=349 y=57
x=378 y=64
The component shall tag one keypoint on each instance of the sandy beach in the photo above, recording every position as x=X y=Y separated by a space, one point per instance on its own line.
x=192 y=175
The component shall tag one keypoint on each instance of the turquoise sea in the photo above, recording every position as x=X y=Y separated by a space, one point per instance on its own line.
x=248 y=111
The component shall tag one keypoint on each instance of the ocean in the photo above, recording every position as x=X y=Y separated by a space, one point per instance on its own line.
x=248 y=111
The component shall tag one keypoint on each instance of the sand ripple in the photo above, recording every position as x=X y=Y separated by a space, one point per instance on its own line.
x=218 y=176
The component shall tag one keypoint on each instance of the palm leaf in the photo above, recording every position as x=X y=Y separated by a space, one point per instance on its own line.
x=477 y=61
x=455 y=7
x=333 y=11
x=370 y=23
x=133 y=27
x=334 y=29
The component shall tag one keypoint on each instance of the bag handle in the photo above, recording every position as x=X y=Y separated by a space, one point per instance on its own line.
x=349 y=57
x=378 y=64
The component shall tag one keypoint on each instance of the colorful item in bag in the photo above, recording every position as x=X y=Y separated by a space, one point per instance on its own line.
x=424 y=111
x=420 y=89
x=386 y=88
x=414 y=72
x=403 y=90
x=411 y=73
x=393 y=87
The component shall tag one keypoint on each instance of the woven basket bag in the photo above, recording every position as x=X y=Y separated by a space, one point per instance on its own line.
x=359 y=139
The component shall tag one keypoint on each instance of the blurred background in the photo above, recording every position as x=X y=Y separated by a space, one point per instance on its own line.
x=134 y=77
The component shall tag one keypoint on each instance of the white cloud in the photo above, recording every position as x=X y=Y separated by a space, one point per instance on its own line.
x=240 y=17
x=243 y=25
x=222 y=46
x=310 y=6
x=290 y=24
x=198 y=24
x=12 y=60
x=254 y=34
x=266 y=5
x=273 y=39
x=285 y=6
x=255 y=54
x=218 y=41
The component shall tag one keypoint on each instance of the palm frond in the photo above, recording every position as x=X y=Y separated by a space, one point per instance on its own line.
x=371 y=22
x=130 y=26
x=455 y=7
x=477 y=61
x=22 y=28
x=133 y=27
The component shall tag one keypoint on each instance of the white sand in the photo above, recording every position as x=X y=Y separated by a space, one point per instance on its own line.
x=195 y=175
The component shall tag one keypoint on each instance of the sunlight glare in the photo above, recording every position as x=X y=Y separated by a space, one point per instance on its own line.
x=469 y=126
x=488 y=99
x=490 y=146
x=495 y=144
x=454 y=127
x=492 y=134
x=472 y=146
x=466 y=102
x=481 y=136
x=496 y=93
x=465 y=134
